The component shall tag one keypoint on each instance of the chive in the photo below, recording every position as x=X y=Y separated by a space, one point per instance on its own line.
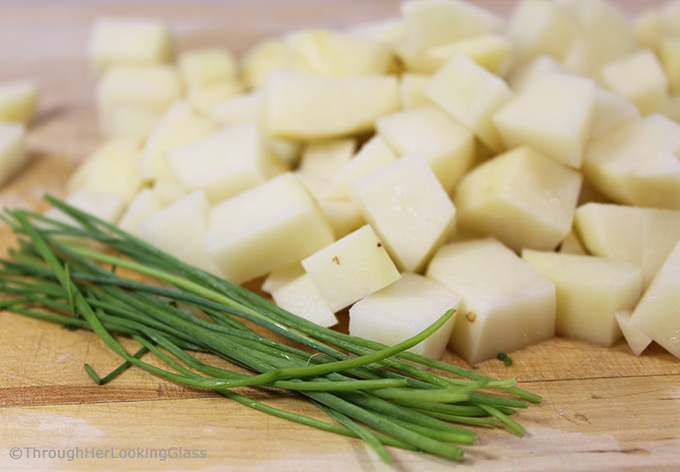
x=507 y=360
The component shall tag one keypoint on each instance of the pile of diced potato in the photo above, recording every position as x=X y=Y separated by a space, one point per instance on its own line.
x=524 y=172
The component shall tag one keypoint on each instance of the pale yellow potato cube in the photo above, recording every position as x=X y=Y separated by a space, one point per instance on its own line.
x=658 y=313
x=636 y=339
x=145 y=90
x=430 y=23
x=169 y=190
x=180 y=230
x=491 y=51
x=277 y=278
x=649 y=28
x=571 y=244
x=589 y=291
x=404 y=309
x=266 y=57
x=18 y=101
x=308 y=107
x=332 y=54
x=264 y=228
x=179 y=125
x=447 y=146
x=556 y=124
x=324 y=159
x=351 y=268
x=287 y=151
x=669 y=55
x=521 y=197
x=412 y=90
x=634 y=163
x=237 y=110
x=471 y=94
x=372 y=155
x=524 y=74
x=204 y=99
x=640 y=78
x=201 y=68
x=117 y=41
x=143 y=205
x=505 y=304
x=113 y=168
x=130 y=121
x=539 y=27
x=12 y=150
x=301 y=297
x=343 y=215
x=388 y=31
x=609 y=112
x=408 y=208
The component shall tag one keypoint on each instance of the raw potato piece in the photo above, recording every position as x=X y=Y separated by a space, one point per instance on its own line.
x=446 y=145
x=12 y=150
x=324 y=159
x=636 y=339
x=264 y=228
x=521 y=197
x=18 y=101
x=203 y=68
x=408 y=208
x=590 y=291
x=402 y=310
x=206 y=98
x=277 y=278
x=571 y=244
x=180 y=230
x=343 y=216
x=470 y=94
x=523 y=75
x=351 y=268
x=266 y=57
x=302 y=298
x=117 y=41
x=145 y=204
x=307 y=107
x=611 y=111
x=412 y=90
x=658 y=313
x=506 y=305
x=491 y=51
x=556 y=124
x=237 y=110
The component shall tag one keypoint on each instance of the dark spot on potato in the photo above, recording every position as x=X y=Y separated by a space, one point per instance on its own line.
x=336 y=260
x=471 y=317
x=379 y=244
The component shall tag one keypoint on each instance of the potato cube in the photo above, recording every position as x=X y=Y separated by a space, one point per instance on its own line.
x=387 y=31
x=402 y=310
x=145 y=204
x=491 y=51
x=267 y=56
x=343 y=215
x=201 y=68
x=301 y=297
x=571 y=244
x=105 y=206
x=472 y=95
x=237 y=110
x=277 y=278
x=169 y=190
x=18 y=101
x=130 y=121
x=447 y=146
x=264 y=228
x=412 y=90
x=521 y=197
x=351 y=268
x=590 y=291
x=609 y=112
x=505 y=304
x=524 y=74
x=324 y=159
x=117 y=41
x=669 y=55
x=640 y=78
x=408 y=208
x=636 y=339
x=649 y=28
x=204 y=99
x=556 y=124
x=12 y=150
x=180 y=230
x=308 y=107
x=658 y=313
x=432 y=23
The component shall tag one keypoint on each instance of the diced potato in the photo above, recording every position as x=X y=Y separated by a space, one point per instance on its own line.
x=402 y=310
x=635 y=163
x=180 y=125
x=472 y=95
x=571 y=244
x=202 y=68
x=447 y=146
x=324 y=159
x=408 y=208
x=277 y=278
x=521 y=197
x=351 y=268
x=169 y=190
x=204 y=99
x=18 y=101
x=491 y=51
x=412 y=90
x=12 y=150
x=609 y=112
x=117 y=41
x=541 y=27
x=506 y=305
x=302 y=298
x=432 y=23
x=590 y=291
x=640 y=78
x=286 y=150
x=372 y=155
x=180 y=230
x=113 y=168
x=669 y=55
x=266 y=57
x=331 y=54
x=649 y=28
x=264 y=228
x=556 y=124
x=223 y=164
x=388 y=31
x=343 y=215
x=636 y=339
x=237 y=110
x=139 y=90
x=658 y=313
x=307 y=107
x=145 y=204
x=524 y=74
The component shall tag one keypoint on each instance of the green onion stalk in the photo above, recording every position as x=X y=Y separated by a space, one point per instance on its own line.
x=381 y=394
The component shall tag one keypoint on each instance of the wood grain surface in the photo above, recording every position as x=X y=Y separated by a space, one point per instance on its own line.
x=603 y=409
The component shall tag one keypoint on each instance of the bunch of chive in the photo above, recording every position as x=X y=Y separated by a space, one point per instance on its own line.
x=366 y=387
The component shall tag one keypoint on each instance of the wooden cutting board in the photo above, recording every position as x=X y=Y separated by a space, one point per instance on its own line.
x=603 y=409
